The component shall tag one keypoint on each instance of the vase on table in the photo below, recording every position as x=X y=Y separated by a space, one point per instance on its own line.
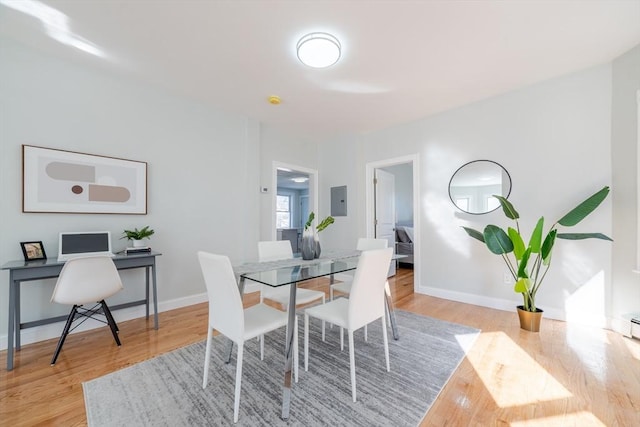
x=316 y=246
x=308 y=245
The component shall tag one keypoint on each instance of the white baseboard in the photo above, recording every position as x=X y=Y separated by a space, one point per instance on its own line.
x=602 y=322
x=53 y=330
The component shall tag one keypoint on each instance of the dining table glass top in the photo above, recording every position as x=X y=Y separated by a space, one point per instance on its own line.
x=288 y=274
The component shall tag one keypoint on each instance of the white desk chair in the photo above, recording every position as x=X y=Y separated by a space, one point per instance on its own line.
x=365 y=305
x=82 y=281
x=228 y=317
x=278 y=250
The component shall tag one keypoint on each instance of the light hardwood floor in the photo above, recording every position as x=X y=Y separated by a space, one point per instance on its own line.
x=565 y=375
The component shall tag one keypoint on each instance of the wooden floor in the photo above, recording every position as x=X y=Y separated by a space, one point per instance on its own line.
x=565 y=375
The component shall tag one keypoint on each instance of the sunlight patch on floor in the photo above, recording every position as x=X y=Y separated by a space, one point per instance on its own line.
x=514 y=378
x=581 y=419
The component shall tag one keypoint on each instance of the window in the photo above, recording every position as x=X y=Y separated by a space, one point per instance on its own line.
x=283 y=211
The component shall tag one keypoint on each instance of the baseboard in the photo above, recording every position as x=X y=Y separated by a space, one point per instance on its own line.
x=602 y=322
x=53 y=330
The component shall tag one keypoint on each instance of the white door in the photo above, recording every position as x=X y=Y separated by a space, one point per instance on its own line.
x=385 y=209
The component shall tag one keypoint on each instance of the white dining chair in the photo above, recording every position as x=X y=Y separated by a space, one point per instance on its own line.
x=365 y=305
x=275 y=250
x=227 y=316
x=364 y=244
x=87 y=280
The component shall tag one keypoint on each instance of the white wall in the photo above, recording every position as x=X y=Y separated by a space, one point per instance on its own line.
x=338 y=166
x=625 y=295
x=554 y=139
x=279 y=146
x=203 y=172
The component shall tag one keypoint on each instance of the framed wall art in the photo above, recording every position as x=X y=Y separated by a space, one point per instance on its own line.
x=33 y=251
x=61 y=181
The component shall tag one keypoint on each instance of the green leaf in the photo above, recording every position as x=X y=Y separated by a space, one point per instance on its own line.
x=507 y=207
x=474 y=233
x=325 y=223
x=522 y=265
x=547 y=246
x=522 y=285
x=309 y=220
x=582 y=236
x=518 y=243
x=536 y=237
x=583 y=209
x=497 y=240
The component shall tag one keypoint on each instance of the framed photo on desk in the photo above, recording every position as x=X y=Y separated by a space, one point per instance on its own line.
x=33 y=251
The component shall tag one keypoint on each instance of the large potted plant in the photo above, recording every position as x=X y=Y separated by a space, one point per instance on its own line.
x=529 y=262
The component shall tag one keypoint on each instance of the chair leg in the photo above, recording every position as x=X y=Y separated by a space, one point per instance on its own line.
x=111 y=321
x=306 y=342
x=323 y=300
x=207 y=356
x=341 y=339
x=236 y=402
x=65 y=332
x=295 y=350
x=261 y=337
x=386 y=342
x=366 y=336
x=352 y=362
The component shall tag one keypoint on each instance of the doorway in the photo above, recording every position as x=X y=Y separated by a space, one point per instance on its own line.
x=393 y=213
x=295 y=197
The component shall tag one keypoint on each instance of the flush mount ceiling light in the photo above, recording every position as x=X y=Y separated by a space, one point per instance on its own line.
x=300 y=179
x=318 y=50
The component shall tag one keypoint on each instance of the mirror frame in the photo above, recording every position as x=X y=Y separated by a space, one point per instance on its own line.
x=476 y=161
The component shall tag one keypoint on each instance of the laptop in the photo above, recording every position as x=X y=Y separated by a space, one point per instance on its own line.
x=83 y=243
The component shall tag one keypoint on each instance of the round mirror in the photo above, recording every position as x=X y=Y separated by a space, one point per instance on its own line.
x=473 y=185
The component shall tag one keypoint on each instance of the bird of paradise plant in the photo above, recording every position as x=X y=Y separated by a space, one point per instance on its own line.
x=529 y=263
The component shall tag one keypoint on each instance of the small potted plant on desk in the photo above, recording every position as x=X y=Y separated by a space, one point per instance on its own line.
x=137 y=236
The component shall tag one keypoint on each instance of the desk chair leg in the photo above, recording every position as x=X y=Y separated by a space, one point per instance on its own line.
x=111 y=321
x=65 y=332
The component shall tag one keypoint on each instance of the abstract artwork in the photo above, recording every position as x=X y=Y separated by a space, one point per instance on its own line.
x=69 y=182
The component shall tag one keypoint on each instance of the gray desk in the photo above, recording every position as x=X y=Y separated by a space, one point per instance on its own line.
x=23 y=271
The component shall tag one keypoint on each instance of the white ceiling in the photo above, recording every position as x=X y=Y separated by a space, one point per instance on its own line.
x=401 y=60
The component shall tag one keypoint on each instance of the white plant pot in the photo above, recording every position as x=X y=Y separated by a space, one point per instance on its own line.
x=138 y=243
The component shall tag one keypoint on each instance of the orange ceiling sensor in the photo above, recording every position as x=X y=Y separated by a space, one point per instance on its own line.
x=275 y=100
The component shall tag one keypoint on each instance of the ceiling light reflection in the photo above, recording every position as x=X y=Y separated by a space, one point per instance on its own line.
x=56 y=24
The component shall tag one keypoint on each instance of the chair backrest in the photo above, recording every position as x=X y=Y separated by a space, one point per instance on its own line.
x=366 y=299
x=367 y=244
x=274 y=250
x=86 y=280
x=226 y=313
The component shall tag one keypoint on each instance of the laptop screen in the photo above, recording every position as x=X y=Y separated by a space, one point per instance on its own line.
x=79 y=243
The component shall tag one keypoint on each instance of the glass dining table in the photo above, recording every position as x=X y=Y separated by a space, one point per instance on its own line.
x=291 y=272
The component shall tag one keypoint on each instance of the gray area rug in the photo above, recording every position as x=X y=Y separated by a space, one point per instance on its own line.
x=167 y=390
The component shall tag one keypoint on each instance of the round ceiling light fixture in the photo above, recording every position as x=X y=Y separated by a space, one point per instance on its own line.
x=318 y=50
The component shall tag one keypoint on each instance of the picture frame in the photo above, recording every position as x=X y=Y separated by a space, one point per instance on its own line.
x=33 y=250
x=60 y=181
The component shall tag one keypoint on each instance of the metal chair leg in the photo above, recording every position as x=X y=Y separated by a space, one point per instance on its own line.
x=65 y=332
x=111 y=321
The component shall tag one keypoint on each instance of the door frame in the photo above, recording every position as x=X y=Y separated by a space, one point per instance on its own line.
x=313 y=190
x=370 y=168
